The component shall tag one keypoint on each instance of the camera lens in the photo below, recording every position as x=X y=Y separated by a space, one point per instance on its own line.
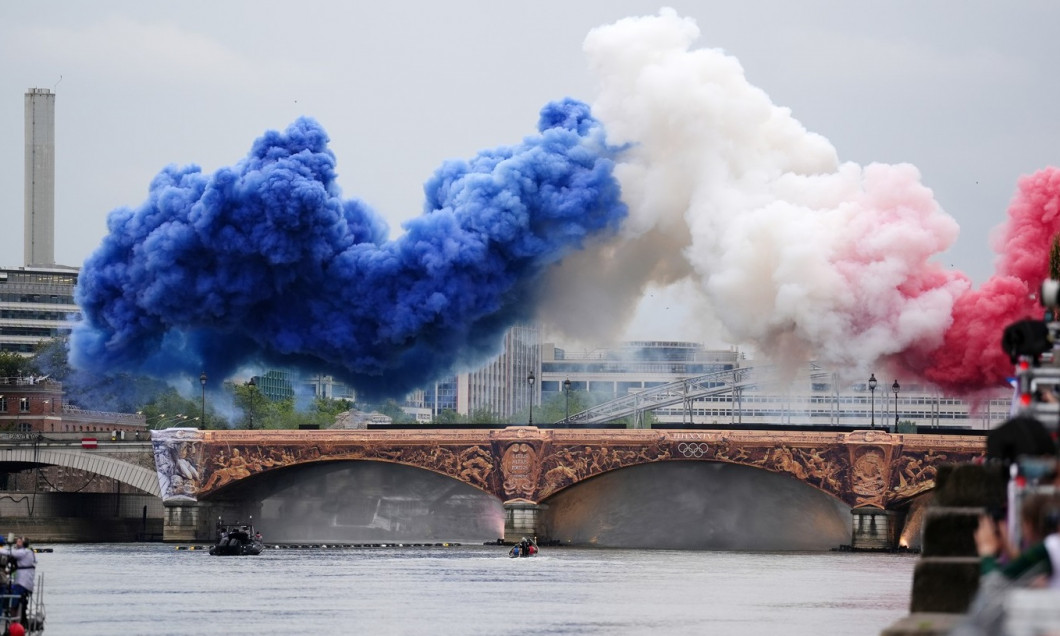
x=1050 y=296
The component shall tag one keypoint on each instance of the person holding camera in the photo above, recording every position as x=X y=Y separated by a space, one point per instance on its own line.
x=1039 y=563
x=25 y=560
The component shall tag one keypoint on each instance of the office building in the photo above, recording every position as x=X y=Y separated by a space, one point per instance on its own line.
x=36 y=306
x=501 y=387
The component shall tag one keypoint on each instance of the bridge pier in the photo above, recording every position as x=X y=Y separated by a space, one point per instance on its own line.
x=874 y=529
x=524 y=518
x=188 y=521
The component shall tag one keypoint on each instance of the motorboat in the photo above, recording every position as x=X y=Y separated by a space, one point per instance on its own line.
x=237 y=539
x=525 y=548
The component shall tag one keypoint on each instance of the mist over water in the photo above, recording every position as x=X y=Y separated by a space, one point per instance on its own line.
x=698 y=505
x=372 y=502
x=669 y=505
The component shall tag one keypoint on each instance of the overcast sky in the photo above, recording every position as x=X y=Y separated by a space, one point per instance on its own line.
x=965 y=91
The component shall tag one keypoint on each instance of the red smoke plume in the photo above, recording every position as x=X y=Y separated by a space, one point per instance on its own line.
x=971 y=358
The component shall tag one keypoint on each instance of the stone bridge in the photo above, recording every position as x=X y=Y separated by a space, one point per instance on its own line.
x=130 y=463
x=876 y=473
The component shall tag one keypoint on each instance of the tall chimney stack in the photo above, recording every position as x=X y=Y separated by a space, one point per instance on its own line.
x=40 y=178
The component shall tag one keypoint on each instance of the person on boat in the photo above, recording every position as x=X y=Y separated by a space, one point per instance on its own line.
x=25 y=574
x=7 y=567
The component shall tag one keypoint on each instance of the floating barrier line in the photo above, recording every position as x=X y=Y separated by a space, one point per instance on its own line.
x=332 y=546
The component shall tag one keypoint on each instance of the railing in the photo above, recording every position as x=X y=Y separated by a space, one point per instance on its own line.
x=63 y=438
x=29 y=381
x=105 y=416
x=717 y=383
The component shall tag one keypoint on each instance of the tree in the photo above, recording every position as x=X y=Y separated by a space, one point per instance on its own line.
x=257 y=410
x=449 y=416
x=393 y=410
x=169 y=409
x=121 y=392
x=485 y=415
x=13 y=365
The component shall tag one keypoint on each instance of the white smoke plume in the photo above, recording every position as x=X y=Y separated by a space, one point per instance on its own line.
x=792 y=251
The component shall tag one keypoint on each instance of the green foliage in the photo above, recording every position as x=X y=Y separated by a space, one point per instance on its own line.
x=258 y=411
x=49 y=358
x=168 y=409
x=392 y=409
x=13 y=365
x=449 y=416
x=485 y=415
x=906 y=426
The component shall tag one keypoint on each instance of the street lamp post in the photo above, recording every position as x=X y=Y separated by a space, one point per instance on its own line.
x=872 y=398
x=895 y=387
x=253 y=386
x=566 y=389
x=530 y=380
x=202 y=381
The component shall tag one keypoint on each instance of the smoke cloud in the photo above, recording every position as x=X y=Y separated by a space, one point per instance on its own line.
x=265 y=262
x=971 y=357
x=703 y=185
x=795 y=253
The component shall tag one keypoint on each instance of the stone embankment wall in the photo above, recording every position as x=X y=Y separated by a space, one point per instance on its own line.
x=81 y=517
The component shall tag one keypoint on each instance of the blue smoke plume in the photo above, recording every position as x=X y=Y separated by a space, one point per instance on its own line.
x=265 y=263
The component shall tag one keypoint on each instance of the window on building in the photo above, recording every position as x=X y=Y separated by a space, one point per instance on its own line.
x=23 y=405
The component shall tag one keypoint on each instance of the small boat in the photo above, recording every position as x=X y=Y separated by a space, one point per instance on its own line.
x=236 y=539
x=525 y=548
x=32 y=624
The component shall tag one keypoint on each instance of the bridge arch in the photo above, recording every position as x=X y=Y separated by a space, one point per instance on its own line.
x=355 y=501
x=696 y=505
x=144 y=479
x=226 y=487
x=784 y=471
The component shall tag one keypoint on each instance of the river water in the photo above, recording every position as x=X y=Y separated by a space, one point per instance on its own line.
x=131 y=589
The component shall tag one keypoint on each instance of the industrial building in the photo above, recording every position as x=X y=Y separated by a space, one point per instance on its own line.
x=37 y=299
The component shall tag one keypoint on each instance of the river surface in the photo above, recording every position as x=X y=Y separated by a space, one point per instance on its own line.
x=463 y=590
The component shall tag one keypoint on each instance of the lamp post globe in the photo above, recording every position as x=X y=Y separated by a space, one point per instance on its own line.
x=530 y=380
x=896 y=387
x=872 y=399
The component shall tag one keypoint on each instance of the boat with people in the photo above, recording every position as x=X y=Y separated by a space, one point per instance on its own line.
x=21 y=588
x=237 y=539
x=11 y=619
x=525 y=548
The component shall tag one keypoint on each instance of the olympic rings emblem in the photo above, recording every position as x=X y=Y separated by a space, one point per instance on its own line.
x=693 y=449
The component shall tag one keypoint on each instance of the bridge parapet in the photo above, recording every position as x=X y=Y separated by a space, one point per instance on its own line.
x=863 y=468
